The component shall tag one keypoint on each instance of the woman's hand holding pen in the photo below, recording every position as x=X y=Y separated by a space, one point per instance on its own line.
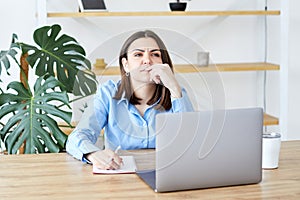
x=162 y=74
x=105 y=159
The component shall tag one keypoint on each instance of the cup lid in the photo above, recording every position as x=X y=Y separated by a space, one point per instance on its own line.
x=271 y=135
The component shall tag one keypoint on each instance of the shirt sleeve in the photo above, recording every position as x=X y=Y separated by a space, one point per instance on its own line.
x=182 y=104
x=84 y=137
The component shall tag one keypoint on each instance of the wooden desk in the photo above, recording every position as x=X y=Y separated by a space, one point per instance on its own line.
x=59 y=176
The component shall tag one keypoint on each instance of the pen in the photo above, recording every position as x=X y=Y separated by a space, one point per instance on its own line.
x=117 y=149
x=116 y=152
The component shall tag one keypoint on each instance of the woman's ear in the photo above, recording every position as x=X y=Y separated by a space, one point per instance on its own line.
x=125 y=64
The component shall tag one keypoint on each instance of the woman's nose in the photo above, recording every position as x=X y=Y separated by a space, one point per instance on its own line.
x=146 y=58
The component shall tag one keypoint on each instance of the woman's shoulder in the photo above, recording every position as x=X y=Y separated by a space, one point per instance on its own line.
x=110 y=84
x=108 y=87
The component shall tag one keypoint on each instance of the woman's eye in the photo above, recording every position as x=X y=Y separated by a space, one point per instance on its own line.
x=156 y=55
x=137 y=55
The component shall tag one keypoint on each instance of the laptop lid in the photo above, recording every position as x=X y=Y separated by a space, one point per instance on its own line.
x=208 y=149
x=91 y=5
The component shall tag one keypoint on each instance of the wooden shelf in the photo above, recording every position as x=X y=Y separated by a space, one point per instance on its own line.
x=163 y=13
x=190 y=68
x=268 y=120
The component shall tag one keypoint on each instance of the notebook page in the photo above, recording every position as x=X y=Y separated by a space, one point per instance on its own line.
x=129 y=166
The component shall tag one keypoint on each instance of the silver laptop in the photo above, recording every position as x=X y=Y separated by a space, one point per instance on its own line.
x=207 y=149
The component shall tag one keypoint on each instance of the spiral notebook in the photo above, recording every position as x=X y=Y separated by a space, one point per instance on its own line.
x=129 y=166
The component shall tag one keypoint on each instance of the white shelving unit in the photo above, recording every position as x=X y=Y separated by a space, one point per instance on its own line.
x=43 y=15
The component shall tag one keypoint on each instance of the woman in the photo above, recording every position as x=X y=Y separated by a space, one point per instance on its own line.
x=126 y=110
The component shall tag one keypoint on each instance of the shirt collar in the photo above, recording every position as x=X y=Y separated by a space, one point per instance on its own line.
x=126 y=101
x=123 y=99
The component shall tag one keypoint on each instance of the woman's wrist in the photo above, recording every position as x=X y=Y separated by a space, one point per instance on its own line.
x=88 y=156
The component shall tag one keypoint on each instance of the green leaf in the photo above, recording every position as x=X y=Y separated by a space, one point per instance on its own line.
x=6 y=55
x=61 y=56
x=34 y=116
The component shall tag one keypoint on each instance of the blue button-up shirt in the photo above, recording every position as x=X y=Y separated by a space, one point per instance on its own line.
x=122 y=123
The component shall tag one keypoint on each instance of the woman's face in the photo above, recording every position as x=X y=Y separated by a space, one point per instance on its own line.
x=142 y=53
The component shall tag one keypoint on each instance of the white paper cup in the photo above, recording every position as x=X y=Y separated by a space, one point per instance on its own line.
x=271 y=150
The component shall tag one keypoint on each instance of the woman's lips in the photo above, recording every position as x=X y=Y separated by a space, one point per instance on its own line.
x=144 y=68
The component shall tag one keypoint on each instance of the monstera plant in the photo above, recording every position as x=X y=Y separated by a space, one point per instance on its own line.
x=30 y=110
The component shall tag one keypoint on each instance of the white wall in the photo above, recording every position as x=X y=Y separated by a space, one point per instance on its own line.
x=228 y=39
x=16 y=17
x=293 y=127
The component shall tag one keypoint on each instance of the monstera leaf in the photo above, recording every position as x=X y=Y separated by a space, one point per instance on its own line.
x=5 y=55
x=28 y=116
x=34 y=115
x=61 y=56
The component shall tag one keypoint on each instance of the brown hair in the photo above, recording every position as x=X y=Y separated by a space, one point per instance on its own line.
x=161 y=93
